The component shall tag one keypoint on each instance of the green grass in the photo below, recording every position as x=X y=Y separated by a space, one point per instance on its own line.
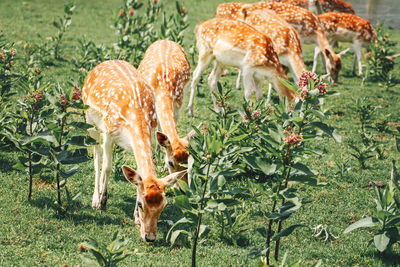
x=33 y=234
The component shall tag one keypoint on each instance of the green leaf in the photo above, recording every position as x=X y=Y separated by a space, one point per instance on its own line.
x=303 y=168
x=204 y=230
x=182 y=201
x=381 y=241
x=256 y=163
x=40 y=139
x=365 y=222
x=69 y=173
x=176 y=234
x=327 y=129
x=68 y=157
x=20 y=167
x=287 y=231
x=262 y=231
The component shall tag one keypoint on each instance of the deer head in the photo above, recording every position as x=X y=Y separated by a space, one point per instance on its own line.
x=334 y=64
x=150 y=199
x=176 y=152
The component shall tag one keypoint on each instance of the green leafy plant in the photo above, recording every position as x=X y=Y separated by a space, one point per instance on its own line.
x=284 y=263
x=362 y=153
x=8 y=74
x=62 y=25
x=280 y=146
x=26 y=123
x=381 y=59
x=386 y=216
x=107 y=256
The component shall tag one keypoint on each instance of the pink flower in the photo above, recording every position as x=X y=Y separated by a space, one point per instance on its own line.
x=83 y=70
x=256 y=114
x=293 y=139
x=131 y=12
x=303 y=93
x=183 y=10
x=155 y=1
x=303 y=80
x=322 y=88
x=2 y=56
x=38 y=96
x=121 y=13
x=13 y=52
x=63 y=100
x=246 y=119
x=77 y=93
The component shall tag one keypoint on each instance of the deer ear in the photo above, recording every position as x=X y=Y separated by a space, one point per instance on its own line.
x=163 y=140
x=171 y=179
x=343 y=52
x=131 y=175
x=328 y=54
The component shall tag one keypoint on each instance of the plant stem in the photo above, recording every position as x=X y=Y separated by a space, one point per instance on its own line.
x=58 y=164
x=279 y=228
x=30 y=160
x=196 y=237
x=270 y=222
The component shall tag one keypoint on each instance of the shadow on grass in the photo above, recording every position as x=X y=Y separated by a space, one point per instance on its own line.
x=388 y=259
x=77 y=213
x=6 y=164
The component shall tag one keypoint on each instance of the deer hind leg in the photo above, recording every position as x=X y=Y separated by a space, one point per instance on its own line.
x=258 y=86
x=213 y=82
x=357 y=57
x=205 y=58
x=99 y=200
x=248 y=83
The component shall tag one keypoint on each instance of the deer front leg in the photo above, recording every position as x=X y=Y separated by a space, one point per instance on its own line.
x=213 y=82
x=317 y=50
x=99 y=200
x=204 y=61
x=238 y=84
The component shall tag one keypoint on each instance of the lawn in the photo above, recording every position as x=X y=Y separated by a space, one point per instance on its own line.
x=34 y=233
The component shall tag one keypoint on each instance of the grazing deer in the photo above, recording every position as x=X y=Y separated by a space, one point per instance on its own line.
x=345 y=27
x=234 y=43
x=121 y=107
x=322 y=6
x=305 y=22
x=284 y=37
x=166 y=69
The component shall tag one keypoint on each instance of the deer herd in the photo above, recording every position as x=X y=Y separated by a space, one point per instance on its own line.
x=126 y=104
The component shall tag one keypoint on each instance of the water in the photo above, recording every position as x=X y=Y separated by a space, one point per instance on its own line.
x=379 y=10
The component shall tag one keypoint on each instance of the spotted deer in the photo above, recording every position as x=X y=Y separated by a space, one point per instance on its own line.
x=284 y=37
x=235 y=43
x=166 y=69
x=345 y=27
x=322 y=6
x=121 y=107
x=305 y=22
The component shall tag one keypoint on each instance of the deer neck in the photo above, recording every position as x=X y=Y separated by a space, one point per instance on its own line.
x=324 y=44
x=140 y=141
x=166 y=118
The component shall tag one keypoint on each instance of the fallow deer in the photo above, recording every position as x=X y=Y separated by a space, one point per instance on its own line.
x=166 y=69
x=121 y=107
x=322 y=6
x=235 y=43
x=285 y=40
x=345 y=27
x=305 y=22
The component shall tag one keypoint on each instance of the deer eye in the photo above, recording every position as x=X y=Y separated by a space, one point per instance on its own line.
x=140 y=205
x=171 y=163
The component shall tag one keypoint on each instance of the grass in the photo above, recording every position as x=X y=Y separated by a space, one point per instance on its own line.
x=34 y=234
